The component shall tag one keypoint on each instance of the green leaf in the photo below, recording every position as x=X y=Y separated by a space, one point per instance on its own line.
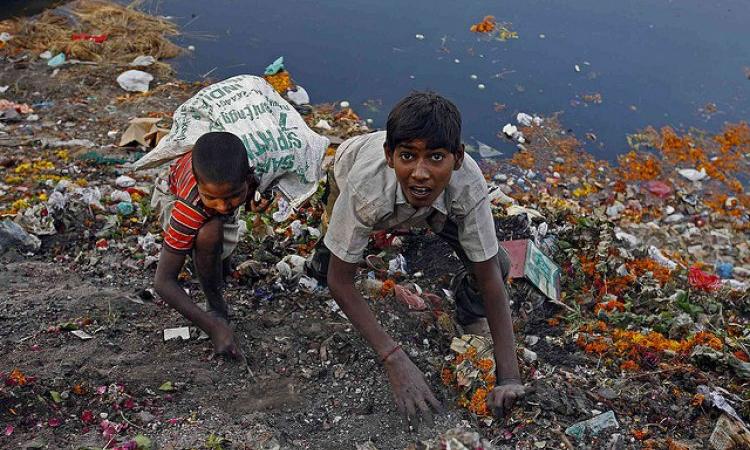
x=166 y=386
x=585 y=222
x=689 y=308
x=69 y=326
x=55 y=396
x=143 y=442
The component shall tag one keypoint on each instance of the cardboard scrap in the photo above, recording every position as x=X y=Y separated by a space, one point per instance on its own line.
x=143 y=131
x=179 y=332
x=82 y=335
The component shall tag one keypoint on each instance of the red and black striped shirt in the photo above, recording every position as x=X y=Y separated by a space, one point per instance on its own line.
x=188 y=214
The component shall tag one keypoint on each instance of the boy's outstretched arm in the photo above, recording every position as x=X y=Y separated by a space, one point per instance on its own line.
x=509 y=387
x=410 y=391
x=167 y=271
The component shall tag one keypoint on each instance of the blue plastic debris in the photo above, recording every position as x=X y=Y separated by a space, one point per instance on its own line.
x=57 y=61
x=275 y=66
x=125 y=208
x=724 y=270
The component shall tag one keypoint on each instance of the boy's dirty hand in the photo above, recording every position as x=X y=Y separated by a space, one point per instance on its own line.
x=222 y=337
x=411 y=393
x=503 y=397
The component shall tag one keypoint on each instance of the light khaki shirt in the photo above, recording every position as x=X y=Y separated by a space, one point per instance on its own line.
x=371 y=199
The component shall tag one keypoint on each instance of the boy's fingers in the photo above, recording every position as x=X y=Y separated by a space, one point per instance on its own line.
x=434 y=402
x=426 y=413
x=411 y=412
x=508 y=401
x=400 y=406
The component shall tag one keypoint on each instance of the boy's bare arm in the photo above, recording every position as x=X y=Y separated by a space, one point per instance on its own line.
x=509 y=385
x=411 y=392
x=167 y=271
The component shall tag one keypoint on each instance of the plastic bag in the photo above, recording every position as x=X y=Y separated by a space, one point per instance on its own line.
x=135 y=80
x=280 y=146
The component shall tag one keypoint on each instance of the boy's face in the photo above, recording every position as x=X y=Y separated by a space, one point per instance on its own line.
x=222 y=198
x=422 y=172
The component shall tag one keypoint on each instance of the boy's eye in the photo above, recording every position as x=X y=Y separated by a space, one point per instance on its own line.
x=406 y=156
x=437 y=156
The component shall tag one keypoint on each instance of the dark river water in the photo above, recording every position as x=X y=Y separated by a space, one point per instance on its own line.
x=682 y=63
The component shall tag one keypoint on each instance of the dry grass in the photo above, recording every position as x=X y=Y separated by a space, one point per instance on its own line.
x=130 y=33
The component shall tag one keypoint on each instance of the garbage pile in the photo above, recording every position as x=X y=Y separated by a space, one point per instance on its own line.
x=637 y=336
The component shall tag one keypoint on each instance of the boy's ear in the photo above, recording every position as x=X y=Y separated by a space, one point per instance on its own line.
x=459 y=155
x=388 y=155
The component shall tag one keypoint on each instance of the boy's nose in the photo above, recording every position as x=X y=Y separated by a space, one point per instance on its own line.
x=420 y=172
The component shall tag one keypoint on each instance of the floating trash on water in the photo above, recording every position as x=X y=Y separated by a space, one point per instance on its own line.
x=577 y=68
x=692 y=174
x=511 y=131
x=542 y=36
x=485 y=151
x=480 y=86
x=473 y=77
x=191 y=48
x=344 y=104
x=420 y=37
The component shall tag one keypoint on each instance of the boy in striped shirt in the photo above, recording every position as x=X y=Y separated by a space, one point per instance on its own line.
x=198 y=208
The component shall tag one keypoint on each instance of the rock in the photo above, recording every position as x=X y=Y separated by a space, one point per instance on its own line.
x=615 y=210
x=34 y=443
x=144 y=417
x=13 y=236
x=271 y=319
x=674 y=218
x=607 y=393
x=529 y=356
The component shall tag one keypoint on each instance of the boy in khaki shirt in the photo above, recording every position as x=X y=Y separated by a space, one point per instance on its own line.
x=415 y=174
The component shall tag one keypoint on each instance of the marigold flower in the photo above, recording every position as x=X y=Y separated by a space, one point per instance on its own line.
x=478 y=404
x=640 y=434
x=17 y=377
x=387 y=287
x=485 y=364
x=447 y=376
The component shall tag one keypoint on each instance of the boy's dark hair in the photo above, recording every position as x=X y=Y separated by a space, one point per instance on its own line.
x=219 y=157
x=428 y=116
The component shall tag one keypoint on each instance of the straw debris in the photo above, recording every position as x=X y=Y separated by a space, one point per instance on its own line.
x=130 y=33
